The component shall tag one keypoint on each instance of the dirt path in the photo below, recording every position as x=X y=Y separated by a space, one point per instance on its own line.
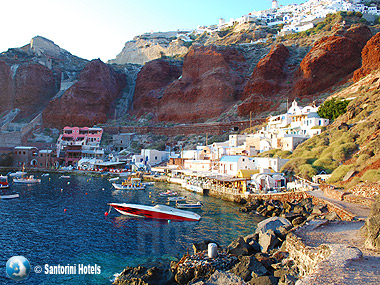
x=346 y=265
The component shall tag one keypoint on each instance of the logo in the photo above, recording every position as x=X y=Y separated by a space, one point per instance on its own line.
x=18 y=268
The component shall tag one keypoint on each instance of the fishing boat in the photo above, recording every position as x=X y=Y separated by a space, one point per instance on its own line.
x=27 y=180
x=155 y=212
x=168 y=193
x=175 y=199
x=10 y=196
x=194 y=205
x=4 y=182
x=132 y=184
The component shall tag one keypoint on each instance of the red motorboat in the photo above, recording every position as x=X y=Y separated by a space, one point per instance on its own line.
x=155 y=212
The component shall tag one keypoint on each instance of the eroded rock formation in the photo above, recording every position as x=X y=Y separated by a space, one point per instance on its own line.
x=151 y=82
x=370 y=58
x=210 y=84
x=330 y=60
x=89 y=100
x=266 y=82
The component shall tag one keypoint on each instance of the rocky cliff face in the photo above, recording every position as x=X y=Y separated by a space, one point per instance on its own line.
x=370 y=58
x=266 y=82
x=330 y=60
x=210 y=84
x=89 y=100
x=28 y=87
x=149 y=47
x=151 y=82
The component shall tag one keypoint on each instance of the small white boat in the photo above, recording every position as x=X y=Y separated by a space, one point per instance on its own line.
x=132 y=184
x=168 y=193
x=64 y=176
x=4 y=182
x=27 y=180
x=155 y=212
x=113 y=179
x=148 y=183
x=196 y=205
x=10 y=196
x=45 y=174
x=175 y=199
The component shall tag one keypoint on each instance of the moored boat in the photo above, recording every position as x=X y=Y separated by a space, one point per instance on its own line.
x=27 y=180
x=17 y=174
x=168 y=193
x=155 y=212
x=194 y=205
x=132 y=184
x=10 y=196
x=175 y=199
x=4 y=182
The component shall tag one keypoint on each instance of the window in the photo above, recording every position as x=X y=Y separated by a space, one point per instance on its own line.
x=155 y=158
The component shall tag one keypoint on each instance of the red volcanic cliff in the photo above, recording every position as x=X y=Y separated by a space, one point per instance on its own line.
x=88 y=101
x=331 y=60
x=151 y=82
x=5 y=87
x=210 y=84
x=370 y=58
x=35 y=86
x=30 y=89
x=265 y=82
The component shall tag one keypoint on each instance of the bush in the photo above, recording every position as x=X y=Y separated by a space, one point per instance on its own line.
x=339 y=173
x=307 y=171
x=332 y=109
x=362 y=159
x=343 y=151
x=372 y=175
x=292 y=166
x=326 y=164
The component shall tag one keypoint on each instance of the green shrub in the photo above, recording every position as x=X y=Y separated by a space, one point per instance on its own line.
x=362 y=159
x=326 y=164
x=332 y=109
x=372 y=175
x=343 y=151
x=307 y=171
x=292 y=166
x=339 y=173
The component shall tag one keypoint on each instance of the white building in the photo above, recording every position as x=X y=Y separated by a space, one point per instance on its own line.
x=231 y=164
x=150 y=157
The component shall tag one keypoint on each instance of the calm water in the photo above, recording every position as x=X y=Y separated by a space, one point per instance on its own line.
x=36 y=226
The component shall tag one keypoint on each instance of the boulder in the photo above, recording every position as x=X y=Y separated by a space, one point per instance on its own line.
x=372 y=226
x=273 y=223
x=332 y=216
x=298 y=221
x=264 y=280
x=320 y=209
x=223 y=278
x=239 y=247
x=248 y=267
x=268 y=241
x=290 y=216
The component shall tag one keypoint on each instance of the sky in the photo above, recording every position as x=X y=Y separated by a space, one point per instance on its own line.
x=94 y=29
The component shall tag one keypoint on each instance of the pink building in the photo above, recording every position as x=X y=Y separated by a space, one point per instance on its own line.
x=80 y=136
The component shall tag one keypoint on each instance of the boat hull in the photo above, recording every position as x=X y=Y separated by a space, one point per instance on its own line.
x=11 y=196
x=127 y=187
x=27 y=181
x=157 y=212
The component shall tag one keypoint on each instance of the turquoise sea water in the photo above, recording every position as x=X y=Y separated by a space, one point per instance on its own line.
x=37 y=227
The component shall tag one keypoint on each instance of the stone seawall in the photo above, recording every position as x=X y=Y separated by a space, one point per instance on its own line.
x=306 y=258
x=361 y=194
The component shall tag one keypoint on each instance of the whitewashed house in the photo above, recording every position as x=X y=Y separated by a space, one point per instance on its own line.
x=231 y=164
